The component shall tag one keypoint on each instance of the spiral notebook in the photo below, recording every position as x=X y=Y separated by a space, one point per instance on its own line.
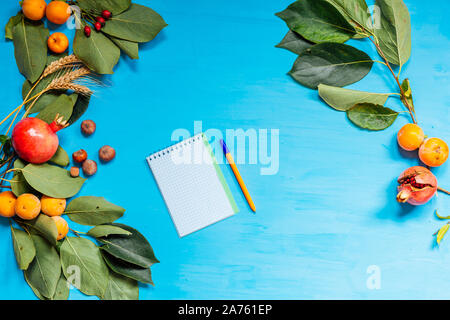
x=192 y=184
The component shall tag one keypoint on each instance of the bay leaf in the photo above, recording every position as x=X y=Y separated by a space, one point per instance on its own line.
x=394 y=36
x=355 y=12
x=43 y=225
x=121 y=288
x=35 y=291
x=133 y=248
x=62 y=106
x=45 y=99
x=343 y=99
x=126 y=269
x=61 y=158
x=52 y=181
x=12 y=22
x=62 y=289
x=441 y=233
x=98 y=52
x=19 y=185
x=317 y=21
x=130 y=48
x=333 y=64
x=23 y=248
x=105 y=230
x=92 y=211
x=137 y=24
x=294 y=42
x=84 y=254
x=30 y=48
x=95 y=6
x=79 y=108
x=45 y=270
x=371 y=116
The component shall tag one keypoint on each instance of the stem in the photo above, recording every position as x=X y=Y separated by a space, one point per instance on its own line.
x=77 y=233
x=5 y=187
x=443 y=190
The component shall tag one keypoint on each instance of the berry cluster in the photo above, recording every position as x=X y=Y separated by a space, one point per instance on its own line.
x=412 y=181
x=99 y=22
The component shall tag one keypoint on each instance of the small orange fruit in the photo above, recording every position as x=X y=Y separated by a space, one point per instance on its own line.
x=410 y=137
x=62 y=226
x=28 y=206
x=58 y=12
x=53 y=206
x=7 y=204
x=34 y=9
x=433 y=152
x=58 y=42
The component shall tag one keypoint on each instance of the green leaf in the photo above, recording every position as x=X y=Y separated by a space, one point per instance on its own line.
x=12 y=22
x=61 y=158
x=106 y=230
x=23 y=248
x=84 y=254
x=45 y=270
x=79 y=108
x=333 y=64
x=133 y=248
x=52 y=181
x=441 y=233
x=408 y=94
x=92 y=211
x=98 y=52
x=294 y=43
x=45 y=99
x=115 y=6
x=371 y=116
x=138 y=24
x=43 y=225
x=355 y=12
x=62 y=106
x=343 y=99
x=19 y=185
x=62 y=289
x=126 y=269
x=317 y=21
x=121 y=288
x=394 y=36
x=130 y=48
x=30 y=48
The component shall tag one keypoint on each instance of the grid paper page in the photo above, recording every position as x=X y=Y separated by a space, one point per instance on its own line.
x=195 y=194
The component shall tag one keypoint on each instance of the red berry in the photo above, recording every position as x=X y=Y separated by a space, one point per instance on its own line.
x=98 y=26
x=87 y=31
x=106 y=14
x=101 y=20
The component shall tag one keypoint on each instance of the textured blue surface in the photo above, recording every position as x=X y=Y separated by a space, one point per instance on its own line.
x=328 y=214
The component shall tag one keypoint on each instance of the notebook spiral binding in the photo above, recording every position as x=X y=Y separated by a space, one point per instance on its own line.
x=176 y=146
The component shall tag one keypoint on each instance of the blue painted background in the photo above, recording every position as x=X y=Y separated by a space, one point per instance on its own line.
x=328 y=214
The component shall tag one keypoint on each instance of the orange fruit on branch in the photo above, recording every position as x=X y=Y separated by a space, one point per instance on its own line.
x=62 y=226
x=410 y=137
x=7 y=204
x=433 y=152
x=53 y=206
x=28 y=206
x=58 y=12
x=58 y=42
x=34 y=9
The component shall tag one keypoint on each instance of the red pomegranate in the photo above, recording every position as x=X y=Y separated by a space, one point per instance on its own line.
x=417 y=185
x=35 y=141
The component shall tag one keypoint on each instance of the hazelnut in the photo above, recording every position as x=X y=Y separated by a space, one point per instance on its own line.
x=89 y=167
x=88 y=127
x=74 y=172
x=106 y=153
x=79 y=156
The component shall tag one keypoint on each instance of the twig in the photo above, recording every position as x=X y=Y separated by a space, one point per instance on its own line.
x=443 y=190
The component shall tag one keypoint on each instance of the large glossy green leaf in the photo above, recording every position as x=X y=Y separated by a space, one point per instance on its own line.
x=133 y=248
x=45 y=270
x=92 y=211
x=85 y=255
x=355 y=12
x=343 y=99
x=43 y=225
x=62 y=106
x=30 y=48
x=333 y=64
x=129 y=270
x=52 y=181
x=61 y=158
x=317 y=21
x=98 y=52
x=106 y=230
x=130 y=48
x=96 y=6
x=23 y=248
x=19 y=185
x=79 y=108
x=121 y=288
x=138 y=24
x=394 y=36
x=371 y=116
x=294 y=42
x=12 y=22
x=45 y=99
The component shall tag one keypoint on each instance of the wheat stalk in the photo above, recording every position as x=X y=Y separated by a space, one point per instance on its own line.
x=65 y=62
x=67 y=81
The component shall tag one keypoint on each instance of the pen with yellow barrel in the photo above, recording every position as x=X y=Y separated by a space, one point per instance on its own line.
x=237 y=175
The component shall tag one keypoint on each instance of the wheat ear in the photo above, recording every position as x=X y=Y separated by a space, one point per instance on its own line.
x=65 y=62
x=66 y=81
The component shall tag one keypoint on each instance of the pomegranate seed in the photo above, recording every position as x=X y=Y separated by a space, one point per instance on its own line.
x=101 y=20
x=106 y=14
x=87 y=31
x=98 y=26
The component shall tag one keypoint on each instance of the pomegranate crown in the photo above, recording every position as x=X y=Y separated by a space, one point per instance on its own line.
x=58 y=124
